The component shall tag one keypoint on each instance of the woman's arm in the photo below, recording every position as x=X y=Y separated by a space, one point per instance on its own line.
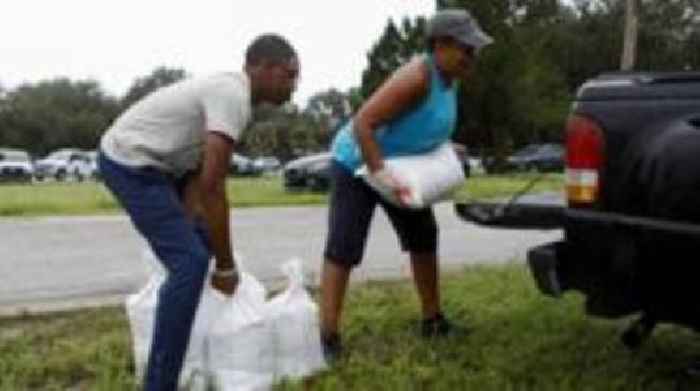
x=406 y=87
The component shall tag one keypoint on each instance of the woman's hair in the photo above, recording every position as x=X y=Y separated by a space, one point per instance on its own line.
x=269 y=47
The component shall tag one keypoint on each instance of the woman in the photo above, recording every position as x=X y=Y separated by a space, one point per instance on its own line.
x=414 y=111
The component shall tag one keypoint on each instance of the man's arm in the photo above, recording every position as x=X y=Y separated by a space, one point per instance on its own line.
x=212 y=187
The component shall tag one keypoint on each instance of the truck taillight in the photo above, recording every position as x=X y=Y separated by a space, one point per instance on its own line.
x=584 y=159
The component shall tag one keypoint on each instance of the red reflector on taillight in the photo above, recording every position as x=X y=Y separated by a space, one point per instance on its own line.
x=584 y=143
x=584 y=158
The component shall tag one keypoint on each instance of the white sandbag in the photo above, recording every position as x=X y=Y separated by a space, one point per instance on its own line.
x=294 y=319
x=153 y=265
x=141 y=310
x=240 y=343
x=430 y=177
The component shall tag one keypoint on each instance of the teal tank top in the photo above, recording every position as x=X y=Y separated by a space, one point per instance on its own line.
x=420 y=130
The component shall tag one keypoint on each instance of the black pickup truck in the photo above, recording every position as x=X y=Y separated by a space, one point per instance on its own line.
x=631 y=219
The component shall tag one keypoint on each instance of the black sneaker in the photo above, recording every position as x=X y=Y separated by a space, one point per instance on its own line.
x=438 y=326
x=332 y=348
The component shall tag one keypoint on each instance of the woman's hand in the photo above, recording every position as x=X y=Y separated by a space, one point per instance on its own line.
x=389 y=183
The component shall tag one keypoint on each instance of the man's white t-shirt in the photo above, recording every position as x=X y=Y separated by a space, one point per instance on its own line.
x=167 y=129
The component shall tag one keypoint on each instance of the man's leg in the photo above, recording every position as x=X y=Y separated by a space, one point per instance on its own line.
x=152 y=202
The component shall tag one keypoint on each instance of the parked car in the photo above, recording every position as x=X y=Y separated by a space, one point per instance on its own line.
x=15 y=165
x=538 y=157
x=243 y=166
x=631 y=218
x=267 y=163
x=476 y=165
x=63 y=164
x=471 y=164
x=309 y=172
x=94 y=168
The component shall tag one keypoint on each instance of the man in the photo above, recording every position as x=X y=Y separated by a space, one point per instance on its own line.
x=176 y=144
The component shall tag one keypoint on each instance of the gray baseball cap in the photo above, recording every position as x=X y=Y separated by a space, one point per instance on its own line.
x=460 y=25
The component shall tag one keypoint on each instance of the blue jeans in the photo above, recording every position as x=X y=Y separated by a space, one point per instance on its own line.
x=152 y=199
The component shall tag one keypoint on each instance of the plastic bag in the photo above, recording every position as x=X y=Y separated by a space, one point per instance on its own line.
x=430 y=177
x=141 y=310
x=240 y=343
x=294 y=319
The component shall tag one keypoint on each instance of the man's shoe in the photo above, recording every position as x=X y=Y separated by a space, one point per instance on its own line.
x=332 y=348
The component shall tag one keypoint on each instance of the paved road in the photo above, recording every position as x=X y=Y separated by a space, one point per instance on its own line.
x=52 y=262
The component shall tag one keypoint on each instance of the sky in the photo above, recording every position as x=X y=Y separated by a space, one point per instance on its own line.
x=114 y=42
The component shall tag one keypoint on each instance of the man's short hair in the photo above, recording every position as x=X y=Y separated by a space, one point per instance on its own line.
x=270 y=47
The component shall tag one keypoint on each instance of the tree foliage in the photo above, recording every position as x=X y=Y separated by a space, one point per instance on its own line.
x=55 y=113
x=544 y=49
x=285 y=133
x=394 y=47
x=523 y=84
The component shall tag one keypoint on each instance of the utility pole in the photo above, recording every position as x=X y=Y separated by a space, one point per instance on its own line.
x=629 y=49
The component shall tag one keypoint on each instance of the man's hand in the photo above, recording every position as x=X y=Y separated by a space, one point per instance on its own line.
x=226 y=281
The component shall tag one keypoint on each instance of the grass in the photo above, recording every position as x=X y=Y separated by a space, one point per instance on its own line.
x=494 y=186
x=91 y=198
x=520 y=340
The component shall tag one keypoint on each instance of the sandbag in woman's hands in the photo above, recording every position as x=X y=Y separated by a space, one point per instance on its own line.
x=388 y=183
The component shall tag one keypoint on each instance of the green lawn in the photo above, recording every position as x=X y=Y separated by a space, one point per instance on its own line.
x=520 y=340
x=91 y=198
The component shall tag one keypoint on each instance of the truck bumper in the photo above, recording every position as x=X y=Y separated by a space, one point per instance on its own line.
x=513 y=216
x=609 y=257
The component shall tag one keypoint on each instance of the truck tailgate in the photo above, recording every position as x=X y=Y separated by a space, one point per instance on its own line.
x=545 y=211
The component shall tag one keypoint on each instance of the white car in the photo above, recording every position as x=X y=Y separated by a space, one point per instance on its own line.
x=15 y=165
x=476 y=166
x=94 y=168
x=267 y=163
x=243 y=166
x=472 y=164
x=62 y=164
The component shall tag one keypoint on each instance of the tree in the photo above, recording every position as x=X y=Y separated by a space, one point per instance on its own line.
x=629 y=48
x=393 y=49
x=518 y=93
x=56 y=113
x=330 y=109
x=666 y=29
x=284 y=133
x=160 y=77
